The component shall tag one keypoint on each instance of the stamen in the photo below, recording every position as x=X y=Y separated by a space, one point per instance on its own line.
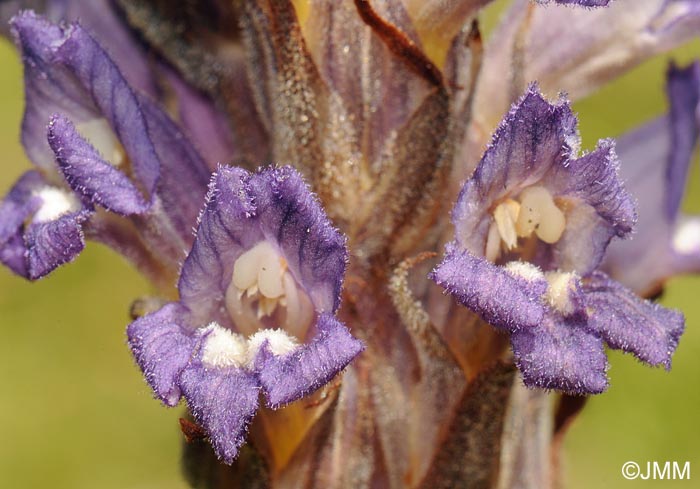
x=99 y=133
x=55 y=202
x=505 y=216
x=540 y=214
x=270 y=276
x=493 y=243
x=260 y=274
x=246 y=267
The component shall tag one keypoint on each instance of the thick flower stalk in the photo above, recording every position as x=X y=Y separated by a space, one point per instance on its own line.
x=325 y=318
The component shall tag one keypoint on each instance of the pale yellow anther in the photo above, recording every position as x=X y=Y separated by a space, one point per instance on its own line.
x=270 y=276
x=493 y=243
x=245 y=269
x=551 y=226
x=539 y=214
x=99 y=133
x=534 y=212
x=505 y=216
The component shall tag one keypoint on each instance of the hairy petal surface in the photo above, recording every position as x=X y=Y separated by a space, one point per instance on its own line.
x=561 y=354
x=536 y=145
x=40 y=227
x=67 y=72
x=223 y=402
x=294 y=375
x=102 y=21
x=162 y=348
x=626 y=322
x=503 y=300
x=506 y=266
x=218 y=347
x=88 y=174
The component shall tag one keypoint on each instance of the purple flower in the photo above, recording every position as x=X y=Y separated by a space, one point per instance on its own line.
x=383 y=108
x=265 y=257
x=96 y=143
x=655 y=161
x=531 y=227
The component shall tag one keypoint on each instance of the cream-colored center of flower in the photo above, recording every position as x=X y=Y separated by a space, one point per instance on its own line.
x=55 y=202
x=99 y=133
x=535 y=212
x=261 y=286
x=260 y=272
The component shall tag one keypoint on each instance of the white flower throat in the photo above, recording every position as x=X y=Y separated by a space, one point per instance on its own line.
x=55 y=202
x=100 y=135
x=261 y=287
x=261 y=271
x=534 y=213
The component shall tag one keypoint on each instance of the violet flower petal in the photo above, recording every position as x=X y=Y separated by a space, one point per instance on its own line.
x=205 y=124
x=162 y=348
x=102 y=20
x=224 y=231
x=292 y=216
x=224 y=402
x=184 y=174
x=536 y=145
x=503 y=300
x=54 y=243
x=19 y=204
x=609 y=211
x=33 y=247
x=292 y=376
x=67 y=72
x=88 y=174
x=534 y=137
x=13 y=254
x=561 y=354
x=242 y=210
x=647 y=330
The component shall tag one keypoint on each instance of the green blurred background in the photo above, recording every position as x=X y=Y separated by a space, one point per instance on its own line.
x=75 y=412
